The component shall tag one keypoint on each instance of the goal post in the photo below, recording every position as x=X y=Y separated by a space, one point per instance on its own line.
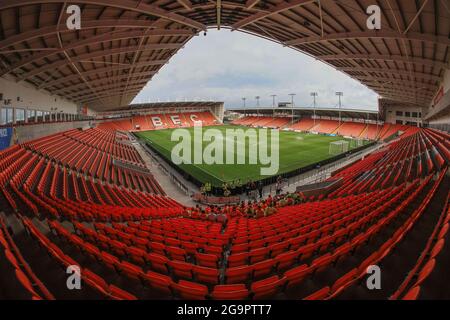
x=356 y=143
x=338 y=147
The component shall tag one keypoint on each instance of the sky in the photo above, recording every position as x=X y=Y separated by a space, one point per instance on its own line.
x=226 y=66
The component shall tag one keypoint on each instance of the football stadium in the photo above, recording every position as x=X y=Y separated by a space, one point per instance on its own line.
x=104 y=198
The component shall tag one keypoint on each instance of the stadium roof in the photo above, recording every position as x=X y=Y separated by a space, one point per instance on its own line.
x=308 y=112
x=123 y=43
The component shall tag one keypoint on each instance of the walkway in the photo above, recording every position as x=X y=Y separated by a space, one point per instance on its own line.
x=162 y=176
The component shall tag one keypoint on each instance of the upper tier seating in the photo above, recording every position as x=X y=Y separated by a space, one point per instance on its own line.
x=160 y=121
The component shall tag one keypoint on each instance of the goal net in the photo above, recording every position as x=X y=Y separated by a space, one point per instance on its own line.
x=338 y=147
x=355 y=143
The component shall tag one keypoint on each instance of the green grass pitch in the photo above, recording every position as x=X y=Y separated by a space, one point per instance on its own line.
x=296 y=150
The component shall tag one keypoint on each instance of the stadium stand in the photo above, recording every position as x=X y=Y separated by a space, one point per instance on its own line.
x=269 y=122
x=278 y=122
x=160 y=121
x=392 y=129
x=347 y=128
x=372 y=132
x=351 y=129
x=304 y=125
x=244 y=120
x=326 y=126
x=152 y=241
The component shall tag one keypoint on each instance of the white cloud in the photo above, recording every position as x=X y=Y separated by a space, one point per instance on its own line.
x=227 y=66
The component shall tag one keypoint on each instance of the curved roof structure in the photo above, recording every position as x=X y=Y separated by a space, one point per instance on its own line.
x=123 y=43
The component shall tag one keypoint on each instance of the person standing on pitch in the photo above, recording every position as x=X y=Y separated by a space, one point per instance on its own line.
x=260 y=189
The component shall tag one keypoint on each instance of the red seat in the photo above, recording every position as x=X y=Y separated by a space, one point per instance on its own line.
x=321 y=263
x=110 y=261
x=239 y=248
x=103 y=242
x=190 y=247
x=119 y=294
x=343 y=251
x=306 y=251
x=257 y=244
x=118 y=248
x=443 y=231
x=278 y=248
x=11 y=258
x=157 y=247
x=137 y=255
x=190 y=290
x=258 y=255
x=425 y=272
x=412 y=294
x=92 y=251
x=176 y=253
x=267 y=288
x=158 y=281
x=206 y=275
x=23 y=279
x=141 y=243
x=158 y=262
x=125 y=238
x=77 y=241
x=95 y=281
x=214 y=250
x=68 y=261
x=130 y=270
x=437 y=248
x=286 y=260
x=362 y=269
x=297 y=275
x=263 y=268
x=171 y=242
x=237 y=259
x=143 y=235
x=230 y=292
x=181 y=269
x=207 y=260
x=319 y=294
x=238 y=274
x=297 y=242
x=343 y=282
